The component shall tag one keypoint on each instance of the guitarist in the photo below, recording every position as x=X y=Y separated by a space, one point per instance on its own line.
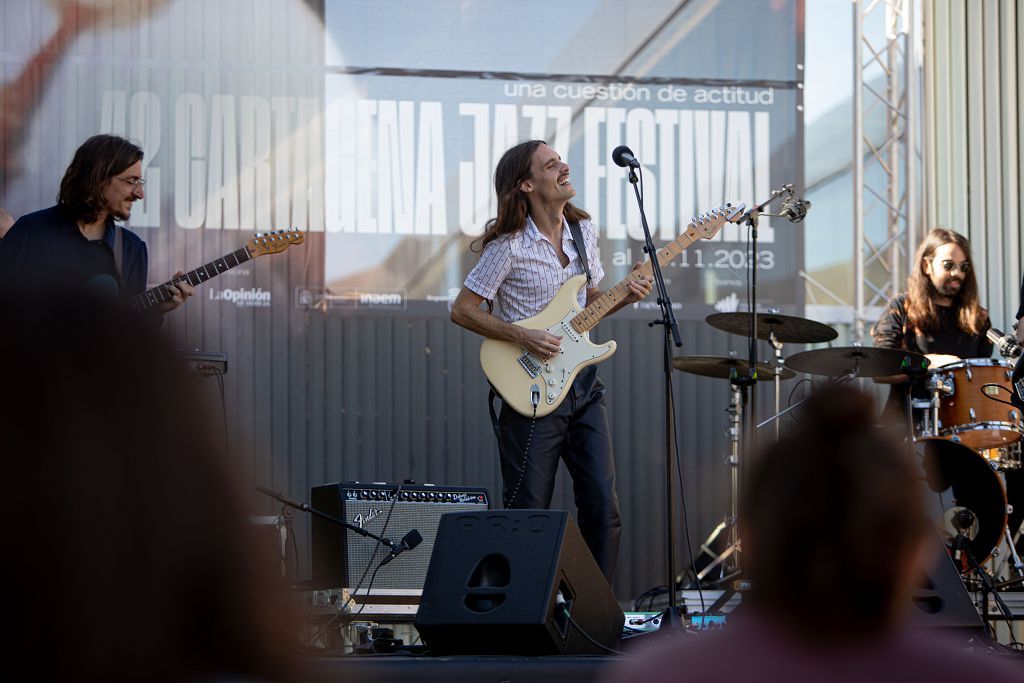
x=77 y=243
x=528 y=251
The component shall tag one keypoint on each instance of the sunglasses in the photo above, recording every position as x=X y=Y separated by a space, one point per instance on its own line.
x=950 y=266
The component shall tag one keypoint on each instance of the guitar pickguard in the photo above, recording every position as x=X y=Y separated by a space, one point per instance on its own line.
x=557 y=372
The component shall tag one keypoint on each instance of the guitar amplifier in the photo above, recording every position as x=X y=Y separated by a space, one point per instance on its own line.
x=340 y=556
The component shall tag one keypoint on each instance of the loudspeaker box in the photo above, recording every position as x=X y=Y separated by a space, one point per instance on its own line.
x=500 y=581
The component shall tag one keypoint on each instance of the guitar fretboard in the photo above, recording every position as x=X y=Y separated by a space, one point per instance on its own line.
x=159 y=294
x=592 y=314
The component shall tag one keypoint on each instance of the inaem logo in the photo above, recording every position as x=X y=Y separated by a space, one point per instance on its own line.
x=729 y=304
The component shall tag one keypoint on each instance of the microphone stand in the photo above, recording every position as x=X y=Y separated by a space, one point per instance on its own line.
x=988 y=587
x=751 y=219
x=673 y=617
x=306 y=507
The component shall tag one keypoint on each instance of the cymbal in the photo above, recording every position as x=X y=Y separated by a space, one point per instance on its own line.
x=722 y=367
x=788 y=329
x=863 y=361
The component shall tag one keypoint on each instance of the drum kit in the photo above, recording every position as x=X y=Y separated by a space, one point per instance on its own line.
x=965 y=433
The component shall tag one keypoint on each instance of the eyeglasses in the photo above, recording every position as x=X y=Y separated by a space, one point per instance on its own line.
x=950 y=266
x=134 y=182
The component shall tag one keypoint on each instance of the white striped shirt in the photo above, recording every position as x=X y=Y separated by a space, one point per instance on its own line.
x=521 y=272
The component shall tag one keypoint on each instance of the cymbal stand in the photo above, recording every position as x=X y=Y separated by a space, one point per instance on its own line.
x=1010 y=541
x=729 y=559
x=841 y=379
x=1013 y=557
x=779 y=363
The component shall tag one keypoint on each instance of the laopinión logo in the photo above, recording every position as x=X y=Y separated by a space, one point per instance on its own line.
x=253 y=297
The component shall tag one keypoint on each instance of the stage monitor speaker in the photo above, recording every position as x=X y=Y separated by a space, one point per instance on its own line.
x=340 y=556
x=942 y=598
x=497 y=580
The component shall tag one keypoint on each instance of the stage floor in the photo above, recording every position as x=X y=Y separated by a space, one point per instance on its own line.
x=411 y=669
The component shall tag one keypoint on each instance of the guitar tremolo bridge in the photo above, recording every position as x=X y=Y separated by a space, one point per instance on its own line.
x=530 y=364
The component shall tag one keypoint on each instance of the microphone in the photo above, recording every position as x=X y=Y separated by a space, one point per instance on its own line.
x=1006 y=344
x=623 y=156
x=964 y=519
x=408 y=542
x=793 y=208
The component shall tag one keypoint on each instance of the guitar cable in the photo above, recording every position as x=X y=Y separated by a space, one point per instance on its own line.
x=526 y=452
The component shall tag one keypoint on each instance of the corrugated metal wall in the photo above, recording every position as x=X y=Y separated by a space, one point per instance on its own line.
x=974 y=77
x=390 y=397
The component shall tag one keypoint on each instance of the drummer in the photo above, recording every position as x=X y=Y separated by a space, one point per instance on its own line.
x=938 y=314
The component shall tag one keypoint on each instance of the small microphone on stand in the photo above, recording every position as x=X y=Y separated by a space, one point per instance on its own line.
x=964 y=519
x=794 y=209
x=408 y=542
x=1006 y=344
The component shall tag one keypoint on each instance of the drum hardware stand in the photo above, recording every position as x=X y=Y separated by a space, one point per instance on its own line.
x=842 y=379
x=1018 y=566
x=779 y=363
x=728 y=558
x=1011 y=541
x=988 y=587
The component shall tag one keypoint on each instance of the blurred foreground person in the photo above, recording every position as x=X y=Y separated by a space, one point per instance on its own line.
x=834 y=539
x=128 y=554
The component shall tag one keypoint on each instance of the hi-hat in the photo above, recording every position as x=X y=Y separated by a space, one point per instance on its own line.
x=788 y=329
x=723 y=367
x=861 y=361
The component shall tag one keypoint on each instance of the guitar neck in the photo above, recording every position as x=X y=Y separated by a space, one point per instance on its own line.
x=595 y=312
x=159 y=294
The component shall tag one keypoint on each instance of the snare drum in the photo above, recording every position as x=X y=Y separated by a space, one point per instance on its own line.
x=973 y=405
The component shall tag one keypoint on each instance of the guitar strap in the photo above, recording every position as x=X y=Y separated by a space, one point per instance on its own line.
x=581 y=248
x=490 y=407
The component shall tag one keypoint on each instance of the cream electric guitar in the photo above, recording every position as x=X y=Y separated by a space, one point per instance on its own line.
x=535 y=387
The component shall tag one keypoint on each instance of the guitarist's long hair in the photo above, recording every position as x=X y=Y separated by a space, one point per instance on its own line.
x=922 y=314
x=96 y=162
x=512 y=171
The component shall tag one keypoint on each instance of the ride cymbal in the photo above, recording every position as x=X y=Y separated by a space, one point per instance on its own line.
x=788 y=329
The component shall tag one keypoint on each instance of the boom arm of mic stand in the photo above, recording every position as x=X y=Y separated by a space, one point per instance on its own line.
x=306 y=507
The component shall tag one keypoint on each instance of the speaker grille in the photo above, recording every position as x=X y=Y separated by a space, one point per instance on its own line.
x=340 y=556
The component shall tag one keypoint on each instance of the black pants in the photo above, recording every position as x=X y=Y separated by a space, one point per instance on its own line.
x=577 y=433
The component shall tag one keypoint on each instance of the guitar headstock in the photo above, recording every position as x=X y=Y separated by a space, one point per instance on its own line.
x=274 y=242
x=709 y=223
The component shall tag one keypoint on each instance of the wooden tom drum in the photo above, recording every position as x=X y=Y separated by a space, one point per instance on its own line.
x=973 y=408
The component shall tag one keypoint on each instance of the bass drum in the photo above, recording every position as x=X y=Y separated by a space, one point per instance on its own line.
x=969 y=497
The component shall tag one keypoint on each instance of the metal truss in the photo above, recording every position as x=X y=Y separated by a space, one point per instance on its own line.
x=886 y=150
